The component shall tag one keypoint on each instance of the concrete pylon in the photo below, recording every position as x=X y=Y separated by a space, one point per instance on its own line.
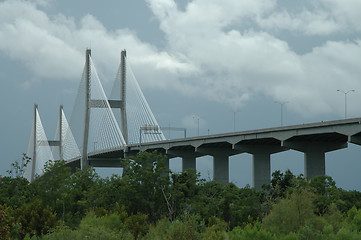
x=42 y=142
x=220 y=161
x=189 y=157
x=221 y=167
x=84 y=158
x=33 y=162
x=314 y=154
x=123 y=96
x=261 y=169
x=261 y=161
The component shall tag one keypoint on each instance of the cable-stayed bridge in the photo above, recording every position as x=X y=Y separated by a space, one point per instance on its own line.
x=104 y=130
x=98 y=123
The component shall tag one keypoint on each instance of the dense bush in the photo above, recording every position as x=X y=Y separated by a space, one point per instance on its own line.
x=150 y=202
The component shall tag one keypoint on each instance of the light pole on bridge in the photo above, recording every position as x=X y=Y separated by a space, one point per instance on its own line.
x=197 y=118
x=234 y=119
x=345 y=92
x=281 y=103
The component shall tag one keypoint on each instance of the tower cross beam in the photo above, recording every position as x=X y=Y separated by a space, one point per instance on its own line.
x=50 y=143
x=103 y=104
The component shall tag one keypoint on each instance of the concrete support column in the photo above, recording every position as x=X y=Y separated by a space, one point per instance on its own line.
x=166 y=165
x=221 y=168
x=261 y=160
x=261 y=169
x=188 y=156
x=188 y=162
x=220 y=161
x=314 y=164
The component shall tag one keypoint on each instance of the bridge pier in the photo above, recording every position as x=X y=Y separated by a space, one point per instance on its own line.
x=166 y=164
x=261 y=161
x=189 y=157
x=314 y=164
x=220 y=161
x=314 y=154
x=221 y=167
x=261 y=169
x=189 y=162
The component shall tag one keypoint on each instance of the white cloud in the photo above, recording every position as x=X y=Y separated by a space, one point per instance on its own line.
x=27 y=35
x=234 y=64
x=346 y=12
x=320 y=18
x=53 y=47
x=306 y=22
x=212 y=51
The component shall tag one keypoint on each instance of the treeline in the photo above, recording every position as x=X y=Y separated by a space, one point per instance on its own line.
x=150 y=202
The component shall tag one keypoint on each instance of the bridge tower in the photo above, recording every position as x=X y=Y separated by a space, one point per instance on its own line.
x=123 y=99
x=33 y=161
x=96 y=103
x=39 y=140
x=84 y=157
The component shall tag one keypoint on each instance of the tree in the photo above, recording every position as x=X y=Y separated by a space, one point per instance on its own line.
x=280 y=182
x=241 y=206
x=289 y=214
x=144 y=179
x=250 y=232
x=81 y=196
x=14 y=192
x=53 y=186
x=182 y=192
x=209 y=200
x=35 y=219
x=326 y=193
x=18 y=167
x=348 y=199
x=4 y=227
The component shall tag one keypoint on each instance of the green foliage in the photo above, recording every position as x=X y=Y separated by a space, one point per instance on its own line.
x=142 y=185
x=280 y=182
x=53 y=186
x=182 y=193
x=289 y=214
x=4 y=227
x=18 y=167
x=346 y=233
x=241 y=206
x=137 y=224
x=348 y=199
x=354 y=219
x=106 y=227
x=326 y=193
x=250 y=232
x=217 y=229
x=333 y=217
x=35 y=219
x=181 y=229
x=14 y=192
x=149 y=202
x=91 y=227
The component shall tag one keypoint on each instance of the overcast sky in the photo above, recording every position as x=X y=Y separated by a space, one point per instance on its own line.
x=204 y=58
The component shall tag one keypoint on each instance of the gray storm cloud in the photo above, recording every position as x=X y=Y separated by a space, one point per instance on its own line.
x=225 y=51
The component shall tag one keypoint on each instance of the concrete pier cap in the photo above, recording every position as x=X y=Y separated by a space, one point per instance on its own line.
x=314 y=148
x=261 y=149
